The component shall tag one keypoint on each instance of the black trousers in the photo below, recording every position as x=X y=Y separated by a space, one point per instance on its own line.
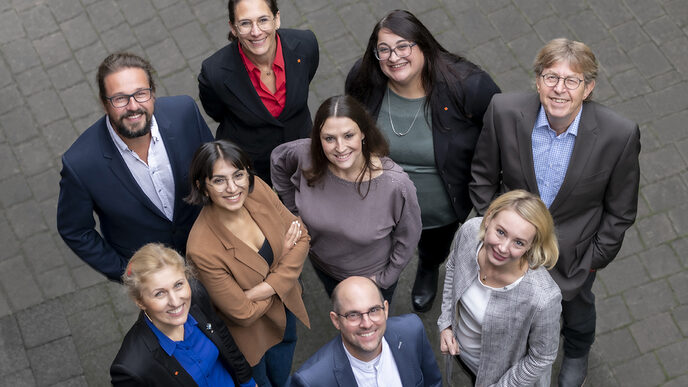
x=579 y=318
x=434 y=245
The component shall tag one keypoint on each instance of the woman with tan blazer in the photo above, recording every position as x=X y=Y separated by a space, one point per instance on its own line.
x=249 y=251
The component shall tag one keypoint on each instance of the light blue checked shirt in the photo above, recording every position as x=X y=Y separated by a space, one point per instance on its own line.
x=551 y=155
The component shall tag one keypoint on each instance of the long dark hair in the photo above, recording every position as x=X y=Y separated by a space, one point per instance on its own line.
x=437 y=67
x=374 y=144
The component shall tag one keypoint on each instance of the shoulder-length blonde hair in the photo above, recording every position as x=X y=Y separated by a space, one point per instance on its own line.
x=150 y=259
x=544 y=250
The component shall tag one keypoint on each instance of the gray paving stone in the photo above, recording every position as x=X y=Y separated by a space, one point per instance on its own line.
x=640 y=372
x=18 y=125
x=656 y=229
x=360 y=23
x=60 y=135
x=90 y=57
x=33 y=156
x=611 y=57
x=623 y=274
x=325 y=24
x=65 y=75
x=5 y=75
x=38 y=21
x=645 y=10
x=105 y=15
x=673 y=358
x=588 y=28
x=33 y=80
x=12 y=353
x=96 y=364
x=52 y=49
x=160 y=4
x=180 y=82
x=680 y=381
x=217 y=31
x=610 y=12
x=78 y=381
x=655 y=332
x=10 y=27
x=661 y=163
x=525 y=48
x=509 y=22
x=550 y=28
x=46 y=106
x=150 y=32
x=514 y=79
x=344 y=54
x=630 y=35
x=649 y=59
x=677 y=53
x=665 y=80
x=55 y=361
x=679 y=284
x=13 y=190
x=612 y=313
x=65 y=9
x=176 y=15
x=10 y=98
x=122 y=303
x=534 y=10
x=565 y=8
x=495 y=56
x=20 y=287
x=601 y=376
x=42 y=323
x=94 y=327
x=165 y=57
x=4 y=305
x=662 y=30
x=8 y=163
x=79 y=100
x=56 y=282
x=44 y=185
x=636 y=109
x=136 y=11
x=650 y=299
x=79 y=32
x=630 y=83
x=676 y=9
x=679 y=218
x=191 y=40
x=119 y=38
x=664 y=194
x=631 y=244
x=20 y=55
x=665 y=101
x=617 y=346
x=660 y=261
x=475 y=26
x=8 y=241
x=84 y=299
x=307 y=6
x=25 y=219
x=22 y=378
x=41 y=251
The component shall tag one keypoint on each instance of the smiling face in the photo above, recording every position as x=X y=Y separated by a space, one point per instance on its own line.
x=165 y=296
x=507 y=238
x=257 y=43
x=561 y=104
x=363 y=339
x=402 y=72
x=342 y=143
x=133 y=120
x=228 y=186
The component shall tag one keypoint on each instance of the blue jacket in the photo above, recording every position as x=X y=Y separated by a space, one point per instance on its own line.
x=410 y=347
x=96 y=178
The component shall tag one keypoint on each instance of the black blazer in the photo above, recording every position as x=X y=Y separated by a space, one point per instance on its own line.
x=141 y=361
x=228 y=96
x=455 y=131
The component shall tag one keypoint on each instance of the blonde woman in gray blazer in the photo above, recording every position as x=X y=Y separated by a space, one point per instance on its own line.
x=500 y=307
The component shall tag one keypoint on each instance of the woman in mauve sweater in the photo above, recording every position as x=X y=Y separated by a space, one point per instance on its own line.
x=359 y=206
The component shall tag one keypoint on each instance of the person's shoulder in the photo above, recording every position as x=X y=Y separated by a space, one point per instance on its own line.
x=472 y=224
x=173 y=102
x=606 y=116
x=543 y=283
x=134 y=348
x=405 y=322
x=395 y=174
x=289 y=34
x=87 y=144
x=220 y=56
x=323 y=359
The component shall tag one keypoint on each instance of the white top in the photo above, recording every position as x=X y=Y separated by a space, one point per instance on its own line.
x=471 y=309
x=381 y=371
x=155 y=178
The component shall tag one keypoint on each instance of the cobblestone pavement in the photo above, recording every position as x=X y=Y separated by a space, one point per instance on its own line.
x=61 y=323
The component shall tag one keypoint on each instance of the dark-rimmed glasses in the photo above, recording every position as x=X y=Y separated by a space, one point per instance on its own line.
x=383 y=51
x=264 y=23
x=551 y=80
x=375 y=314
x=121 y=100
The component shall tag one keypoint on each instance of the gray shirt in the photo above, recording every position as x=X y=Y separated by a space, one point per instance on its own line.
x=350 y=235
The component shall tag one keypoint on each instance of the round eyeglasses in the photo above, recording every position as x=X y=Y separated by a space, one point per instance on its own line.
x=551 y=80
x=264 y=23
x=383 y=51
x=375 y=314
x=122 y=100
x=220 y=183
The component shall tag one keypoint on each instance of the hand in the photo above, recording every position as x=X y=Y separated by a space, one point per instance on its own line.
x=292 y=236
x=448 y=343
x=259 y=292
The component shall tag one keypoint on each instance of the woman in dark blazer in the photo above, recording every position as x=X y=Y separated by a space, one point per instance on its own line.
x=256 y=87
x=403 y=71
x=175 y=310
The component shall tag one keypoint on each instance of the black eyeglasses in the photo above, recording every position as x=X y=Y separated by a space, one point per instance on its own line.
x=552 y=80
x=375 y=314
x=383 y=51
x=122 y=100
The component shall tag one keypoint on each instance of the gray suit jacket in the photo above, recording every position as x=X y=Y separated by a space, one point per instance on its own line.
x=520 y=332
x=598 y=199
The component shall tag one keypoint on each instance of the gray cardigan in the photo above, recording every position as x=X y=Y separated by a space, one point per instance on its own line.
x=520 y=332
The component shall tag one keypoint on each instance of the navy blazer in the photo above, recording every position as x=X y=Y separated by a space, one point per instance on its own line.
x=96 y=178
x=409 y=345
x=228 y=96
x=141 y=361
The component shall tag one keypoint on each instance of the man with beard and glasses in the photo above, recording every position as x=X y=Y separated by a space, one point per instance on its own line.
x=372 y=350
x=131 y=168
